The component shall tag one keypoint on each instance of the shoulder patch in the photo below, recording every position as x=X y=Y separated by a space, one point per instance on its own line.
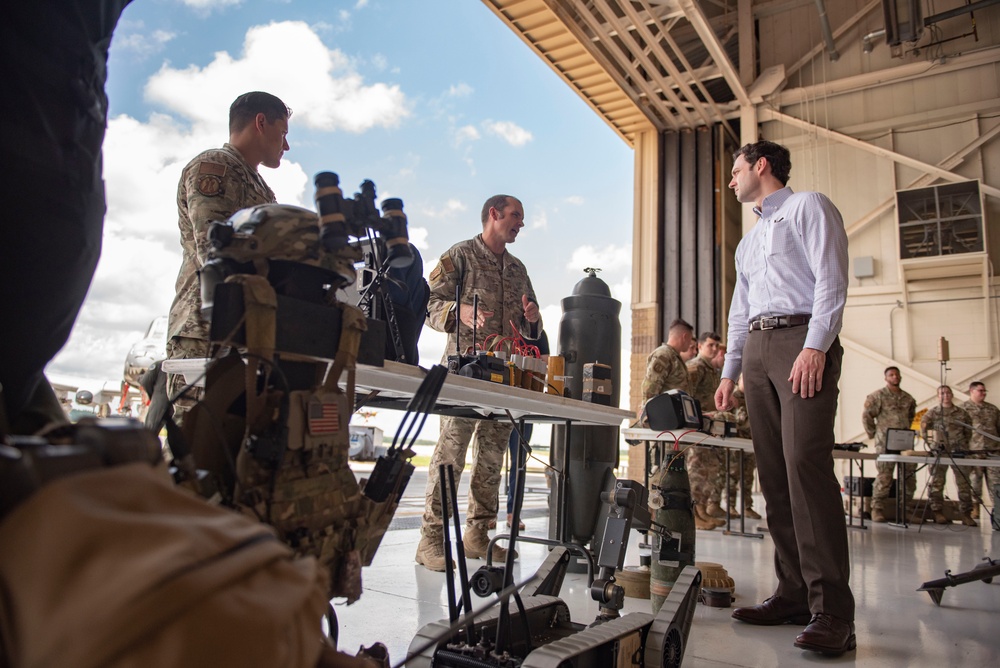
x=447 y=264
x=213 y=168
x=209 y=185
x=435 y=273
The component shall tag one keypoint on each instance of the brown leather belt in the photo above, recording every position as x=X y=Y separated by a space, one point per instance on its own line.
x=779 y=321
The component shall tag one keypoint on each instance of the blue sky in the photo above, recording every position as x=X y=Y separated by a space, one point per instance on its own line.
x=437 y=101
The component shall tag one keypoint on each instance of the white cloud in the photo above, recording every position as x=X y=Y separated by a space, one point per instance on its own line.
x=418 y=237
x=206 y=6
x=466 y=133
x=510 y=132
x=608 y=258
x=575 y=200
x=459 y=90
x=380 y=62
x=134 y=281
x=360 y=4
x=289 y=60
x=143 y=45
x=539 y=221
x=448 y=209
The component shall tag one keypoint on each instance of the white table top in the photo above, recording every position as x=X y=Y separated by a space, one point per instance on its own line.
x=397 y=381
x=993 y=462
x=687 y=436
x=698 y=438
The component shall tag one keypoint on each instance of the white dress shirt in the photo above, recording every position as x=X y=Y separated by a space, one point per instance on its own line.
x=794 y=261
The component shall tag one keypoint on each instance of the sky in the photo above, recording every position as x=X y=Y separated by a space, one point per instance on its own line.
x=437 y=101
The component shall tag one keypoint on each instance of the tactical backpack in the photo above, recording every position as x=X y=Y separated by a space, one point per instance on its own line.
x=280 y=451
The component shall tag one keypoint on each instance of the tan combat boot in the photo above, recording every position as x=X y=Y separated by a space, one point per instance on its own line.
x=476 y=540
x=714 y=510
x=430 y=553
x=751 y=513
x=878 y=515
x=703 y=521
x=968 y=521
x=975 y=512
x=940 y=517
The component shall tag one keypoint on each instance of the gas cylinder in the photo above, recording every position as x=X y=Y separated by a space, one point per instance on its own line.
x=589 y=331
x=672 y=490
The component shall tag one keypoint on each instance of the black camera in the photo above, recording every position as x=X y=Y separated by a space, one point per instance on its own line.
x=341 y=218
x=486 y=581
x=485 y=366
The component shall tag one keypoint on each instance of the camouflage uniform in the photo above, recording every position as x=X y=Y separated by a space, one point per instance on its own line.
x=499 y=282
x=944 y=420
x=665 y=370
x=741 y=419
x=706 y=466
x=884 y=410
x=212 y=187
x=986 y=418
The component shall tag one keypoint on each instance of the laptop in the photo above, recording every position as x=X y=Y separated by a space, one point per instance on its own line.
x=898 y=440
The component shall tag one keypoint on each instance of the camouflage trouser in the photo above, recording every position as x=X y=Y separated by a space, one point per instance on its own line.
x=720 y=481
x=181 y=347
x=749 y=466
x=992 y=481
x=976 y=474
x=488 y=448
x=703 y=473
x=936 y=493
x=886 y=471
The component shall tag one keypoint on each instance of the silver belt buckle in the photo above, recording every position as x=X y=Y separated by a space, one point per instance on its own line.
x=769 y=322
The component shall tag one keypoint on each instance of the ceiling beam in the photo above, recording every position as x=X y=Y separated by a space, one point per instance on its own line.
x=680 y=78
x=767 y=114
x=631 y=44
x=704 y=29
x=952 y=161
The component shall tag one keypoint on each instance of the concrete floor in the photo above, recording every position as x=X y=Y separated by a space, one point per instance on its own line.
x=896 y=625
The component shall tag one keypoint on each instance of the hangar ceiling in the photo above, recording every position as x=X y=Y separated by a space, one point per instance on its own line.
x=639 y=64
x=677 y=64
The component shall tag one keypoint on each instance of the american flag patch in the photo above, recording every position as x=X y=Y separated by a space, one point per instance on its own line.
x=323 y=416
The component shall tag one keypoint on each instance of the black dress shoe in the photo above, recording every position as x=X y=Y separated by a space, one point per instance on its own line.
x=774 y=611
x=828 y=635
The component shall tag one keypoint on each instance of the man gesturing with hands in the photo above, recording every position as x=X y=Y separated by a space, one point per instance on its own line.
x=480 y=267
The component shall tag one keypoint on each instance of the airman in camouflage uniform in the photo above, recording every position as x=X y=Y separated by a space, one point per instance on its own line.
x=665 y=370
x=739 y=417
x=212 y=187
x=944 y=421
x=985 y=418
x=888 y=408
x=705 y=465
x=482 y=267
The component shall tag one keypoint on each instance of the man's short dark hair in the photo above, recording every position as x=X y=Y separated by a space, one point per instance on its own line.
x=777 y=156
x=680 y=325
x=705 y=336
x=246 y=107
x=976 y=383
x=498 y=202
x=891 y=368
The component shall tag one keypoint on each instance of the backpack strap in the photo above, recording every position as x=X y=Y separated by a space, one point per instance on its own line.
x=353 y=324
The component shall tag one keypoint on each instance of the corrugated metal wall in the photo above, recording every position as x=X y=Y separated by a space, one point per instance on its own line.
x=689 y=257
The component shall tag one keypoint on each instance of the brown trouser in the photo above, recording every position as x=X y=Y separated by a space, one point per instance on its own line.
x=793 y=441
